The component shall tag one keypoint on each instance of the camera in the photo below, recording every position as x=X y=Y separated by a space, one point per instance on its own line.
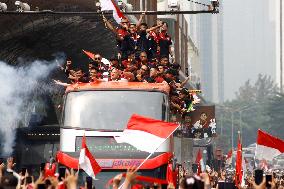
x=215 y=5
x=3 y=7
x=22 y=7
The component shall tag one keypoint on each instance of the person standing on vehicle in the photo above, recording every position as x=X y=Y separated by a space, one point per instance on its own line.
x=165 y=42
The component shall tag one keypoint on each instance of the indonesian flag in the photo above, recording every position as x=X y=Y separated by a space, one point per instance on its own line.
x=268 y=146
x=239 y=165
x=110 y=5
x=229 y=157
x=87 y=162
x=67 y=160
x=146 y=134
x=199 y=162
x=89 y=54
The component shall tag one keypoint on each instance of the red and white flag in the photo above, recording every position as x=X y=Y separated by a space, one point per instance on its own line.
x=229 y=157
x=268 y=146
x=87 y=162
x=89 y=54
x=146 y=134
x=110 y=5
x=199 y=162
x=239 y=165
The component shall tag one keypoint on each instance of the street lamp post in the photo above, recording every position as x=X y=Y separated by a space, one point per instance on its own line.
x=241 y=126
x=232 y=124
x=232 y=129
x=240 y=112
x=222 y=124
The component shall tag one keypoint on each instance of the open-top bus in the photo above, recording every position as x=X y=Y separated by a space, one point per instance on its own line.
x=101 y=111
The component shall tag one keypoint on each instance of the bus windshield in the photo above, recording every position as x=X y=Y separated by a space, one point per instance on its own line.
x=111 y=110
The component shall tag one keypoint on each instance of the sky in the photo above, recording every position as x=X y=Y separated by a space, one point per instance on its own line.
x=249 y=42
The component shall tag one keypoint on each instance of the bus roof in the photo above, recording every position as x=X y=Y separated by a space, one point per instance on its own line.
x=119 y=85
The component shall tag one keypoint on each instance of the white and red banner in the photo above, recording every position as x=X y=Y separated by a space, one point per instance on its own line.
x=229 y=157
x=87 y=162
x=146 y=134
x=110 y=5
x=268 y=146
x=199 y=162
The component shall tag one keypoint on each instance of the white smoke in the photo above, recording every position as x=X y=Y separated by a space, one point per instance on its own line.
x=17 y=84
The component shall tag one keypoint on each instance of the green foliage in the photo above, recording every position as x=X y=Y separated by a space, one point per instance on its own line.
x=256 y=106
x=275 y=111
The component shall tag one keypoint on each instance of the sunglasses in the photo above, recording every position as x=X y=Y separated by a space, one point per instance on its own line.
x=96 y=58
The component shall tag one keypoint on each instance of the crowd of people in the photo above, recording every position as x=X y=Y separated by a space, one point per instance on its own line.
x=144 y=55
x=223 y=179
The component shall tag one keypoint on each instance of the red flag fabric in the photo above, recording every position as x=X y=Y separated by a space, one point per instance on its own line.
x=89 y=54
x=146 y=134
x=142 y=179
x=118 y=12
x=87 y=162
x=110 y=5
x=67 y=160
x=239 y=173
x=199 y=162
x=268 y=146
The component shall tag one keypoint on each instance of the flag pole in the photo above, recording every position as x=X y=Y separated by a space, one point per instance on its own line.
x=255 y=151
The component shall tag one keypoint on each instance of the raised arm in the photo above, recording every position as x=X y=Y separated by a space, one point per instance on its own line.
x=57 y=82
x=140 y=19
x=184 y=82
x=153 y=28
x=109 y=24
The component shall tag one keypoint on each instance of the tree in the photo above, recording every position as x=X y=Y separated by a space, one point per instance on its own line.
x=275 y=111
x=254 y=102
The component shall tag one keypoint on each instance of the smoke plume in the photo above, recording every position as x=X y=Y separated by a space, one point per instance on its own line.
x=17 y=85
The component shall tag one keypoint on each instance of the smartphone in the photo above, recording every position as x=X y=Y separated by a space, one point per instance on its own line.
x=42 y=166
x=23 y=171
x=29 y=180
x=89 y=182
x=62 y=171
x=268 y=179
x=41 y=186
x=258 y=174
x=1 y=160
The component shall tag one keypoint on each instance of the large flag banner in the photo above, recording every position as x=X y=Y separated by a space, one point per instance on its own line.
x=110 y=5
x=87 y=162
x=268 y=146
x=199 y=124
x=146 y=134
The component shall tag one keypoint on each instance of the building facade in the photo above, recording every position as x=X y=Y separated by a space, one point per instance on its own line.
x=207 y=65
x=142 y=5
x=178 y=29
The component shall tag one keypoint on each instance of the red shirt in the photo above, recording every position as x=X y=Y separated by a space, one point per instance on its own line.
x=159 y=79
